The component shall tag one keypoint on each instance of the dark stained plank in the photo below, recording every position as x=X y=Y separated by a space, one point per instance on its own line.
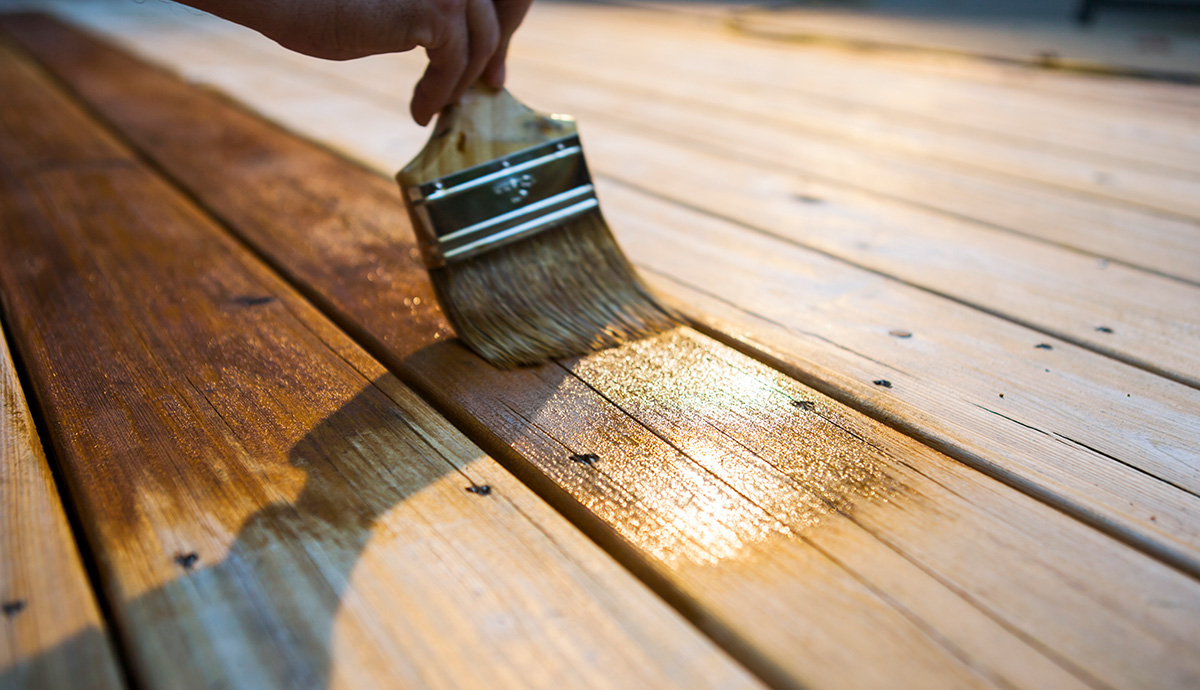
x=51 y=631
x=269 y=507
x=823 y=548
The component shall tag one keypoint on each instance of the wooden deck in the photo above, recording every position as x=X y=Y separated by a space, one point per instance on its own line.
x=935 y=421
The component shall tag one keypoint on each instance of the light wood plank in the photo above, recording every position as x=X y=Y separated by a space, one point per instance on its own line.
x=1061 y=292
x=803 y=536
x=1163 y=139
x=1113 y=47
x=938 y=146
x=1128 y=95
x=1046 y=79
x=273 y=509
x=51 y=631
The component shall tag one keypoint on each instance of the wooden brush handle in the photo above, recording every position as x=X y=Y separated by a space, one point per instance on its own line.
x=484 y=125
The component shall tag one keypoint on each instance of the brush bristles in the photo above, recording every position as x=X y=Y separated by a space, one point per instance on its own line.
x=563 y=292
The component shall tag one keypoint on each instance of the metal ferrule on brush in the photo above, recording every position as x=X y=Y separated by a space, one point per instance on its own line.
x=476 y=210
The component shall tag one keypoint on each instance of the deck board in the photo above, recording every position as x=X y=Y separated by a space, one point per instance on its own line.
x=939 y=146
x=1059 y=290
x=1078 y=200
x=799 y=534
x=269 y=507
x=1086 y=223
x=51 y=631
x=1163 y=139
x=1133 y=475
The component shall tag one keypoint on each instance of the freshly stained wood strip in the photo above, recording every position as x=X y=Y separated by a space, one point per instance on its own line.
x=269 y=506
x=1134 y=475
x=51 y=632
x=803 y=536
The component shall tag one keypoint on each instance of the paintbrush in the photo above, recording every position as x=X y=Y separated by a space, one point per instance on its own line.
x=523 y=264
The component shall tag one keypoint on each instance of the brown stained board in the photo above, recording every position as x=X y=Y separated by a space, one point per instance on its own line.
x=269 y=507
x=822 y=548
x=51 y=631
x=1133 y=474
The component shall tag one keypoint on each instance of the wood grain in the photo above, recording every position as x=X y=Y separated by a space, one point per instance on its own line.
x=799 y=192
x=1132 y=475
x=937 y=148
x=269 y=506
x=1165 y=140
x=804 y=537
x=51 y=631
x=1113 y=445
x=1127 y=96
x=1047 y=287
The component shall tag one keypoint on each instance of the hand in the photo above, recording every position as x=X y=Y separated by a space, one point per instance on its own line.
x=465 y=40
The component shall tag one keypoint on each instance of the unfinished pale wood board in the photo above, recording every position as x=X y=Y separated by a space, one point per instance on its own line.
x=1168 y=52
x=944 y=148
x=803 y=536
x=269 y=507
x=1143 y=319
x=1161 y=139
x=1129 y=95
x=51 y=631
x=1048 y=79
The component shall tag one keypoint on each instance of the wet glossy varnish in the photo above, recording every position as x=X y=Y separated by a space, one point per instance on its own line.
x=784 y=456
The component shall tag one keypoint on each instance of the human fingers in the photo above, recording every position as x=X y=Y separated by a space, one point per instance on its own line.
x=484 y=30
x=510 y=14
x=448 y=58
